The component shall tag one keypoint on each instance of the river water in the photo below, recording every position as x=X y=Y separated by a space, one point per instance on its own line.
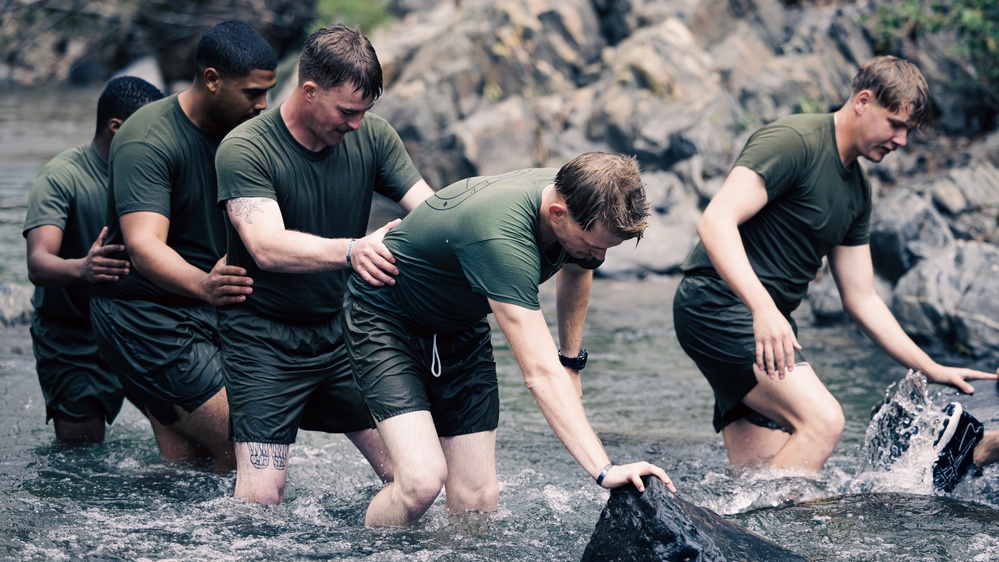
x=119 y=501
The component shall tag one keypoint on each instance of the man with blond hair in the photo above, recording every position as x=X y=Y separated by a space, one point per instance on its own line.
x=795 y=195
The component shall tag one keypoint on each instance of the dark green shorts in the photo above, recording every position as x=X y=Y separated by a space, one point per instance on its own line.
x=715 y=328
x=76 y=382
x=164 y=355
x=393 y=368
x=283 y=377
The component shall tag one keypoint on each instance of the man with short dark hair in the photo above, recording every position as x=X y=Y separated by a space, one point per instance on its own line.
x=297 y=185
x=796 y=194
x=421 y=348
x=65 y=232
x=157 y=327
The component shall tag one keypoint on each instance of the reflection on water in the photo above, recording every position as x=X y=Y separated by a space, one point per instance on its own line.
x=644 y=397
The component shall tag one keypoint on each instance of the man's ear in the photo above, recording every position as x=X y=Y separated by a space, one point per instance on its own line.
x=862 y=101
x=212 y=80
x=558 y=211
x=309 y=90
x=114 y=124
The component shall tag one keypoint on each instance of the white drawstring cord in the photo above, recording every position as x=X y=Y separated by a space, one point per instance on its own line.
x=435 y=360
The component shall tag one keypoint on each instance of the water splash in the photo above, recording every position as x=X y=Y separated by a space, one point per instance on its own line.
x=898 y=455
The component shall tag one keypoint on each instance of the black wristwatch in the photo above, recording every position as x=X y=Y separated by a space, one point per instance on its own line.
x=576 y=363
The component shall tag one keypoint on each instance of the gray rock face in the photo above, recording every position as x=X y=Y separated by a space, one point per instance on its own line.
x=954 y=297
x=905 y=228
x=15 y=304
x=657 y=525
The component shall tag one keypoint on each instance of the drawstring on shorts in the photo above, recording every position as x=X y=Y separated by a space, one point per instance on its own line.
x=435 y=360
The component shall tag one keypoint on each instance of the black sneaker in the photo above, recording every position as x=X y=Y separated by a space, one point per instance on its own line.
x=955 y=446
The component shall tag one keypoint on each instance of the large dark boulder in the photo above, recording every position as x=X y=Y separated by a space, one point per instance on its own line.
x=657 y=525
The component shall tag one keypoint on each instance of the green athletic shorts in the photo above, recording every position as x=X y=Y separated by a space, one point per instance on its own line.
x=283 y=377
x=76 y=382
x=164 y=355
x=393 y=368
x=715 y=328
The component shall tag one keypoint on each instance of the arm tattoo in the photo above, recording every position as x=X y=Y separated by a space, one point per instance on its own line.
x=243 y=207
x=262 y=453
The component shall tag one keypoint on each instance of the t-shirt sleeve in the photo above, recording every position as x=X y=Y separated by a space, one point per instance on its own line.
x=396 y=171
x=242 y=171
x=777 y=153
x=142 y=175
x=502 y=270
x=48 y=203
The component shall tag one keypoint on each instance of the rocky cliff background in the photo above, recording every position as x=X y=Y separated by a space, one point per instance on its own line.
x=479 y=87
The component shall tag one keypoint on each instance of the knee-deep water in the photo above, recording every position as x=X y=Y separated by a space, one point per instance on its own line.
x=119 y=501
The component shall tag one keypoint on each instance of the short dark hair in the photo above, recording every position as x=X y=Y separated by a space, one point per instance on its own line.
x=122 y=96
x=234 y=49
x=335 y=55
x=896 y=84
x=605 y=188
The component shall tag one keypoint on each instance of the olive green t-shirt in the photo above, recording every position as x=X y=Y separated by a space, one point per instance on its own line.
x=327 y=193
x=815 y=204
x=70 y=192
x=475 y=239
x=163 y=163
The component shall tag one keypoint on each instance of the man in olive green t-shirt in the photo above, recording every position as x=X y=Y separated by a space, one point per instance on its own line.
x=157 y=326
x=64 y=229
x=297 y=185
x=796 y=195
x=421 y=348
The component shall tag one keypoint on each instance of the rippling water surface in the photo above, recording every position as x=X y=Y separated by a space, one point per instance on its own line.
x=118 y=501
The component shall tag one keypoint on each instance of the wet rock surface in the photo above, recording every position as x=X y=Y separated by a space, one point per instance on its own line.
x=657 y=525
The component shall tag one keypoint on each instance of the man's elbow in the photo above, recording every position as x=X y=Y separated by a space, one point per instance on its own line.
x=264 y=260
x=34 y=276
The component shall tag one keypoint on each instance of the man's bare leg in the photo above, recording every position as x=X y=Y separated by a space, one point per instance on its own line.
x=801 y=403
x=261 y=472
x=199 y=436
x=420 y=471
x=987 y=450
x=471 y=483
x=370 y=443
x=87 y=431
x=749 y=444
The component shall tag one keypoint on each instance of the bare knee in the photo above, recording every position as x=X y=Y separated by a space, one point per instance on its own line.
x=482 y=497
x=418 y=491
x=824 y=426
x=272 y=495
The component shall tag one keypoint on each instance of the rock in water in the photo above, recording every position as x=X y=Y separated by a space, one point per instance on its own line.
x=657 y=525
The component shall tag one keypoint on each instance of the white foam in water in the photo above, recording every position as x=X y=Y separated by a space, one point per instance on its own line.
x=897 y=455
x=986 y=546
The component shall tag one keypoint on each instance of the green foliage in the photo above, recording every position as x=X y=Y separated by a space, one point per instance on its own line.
x=975 y=23
x=365 y=14
x=806 y=105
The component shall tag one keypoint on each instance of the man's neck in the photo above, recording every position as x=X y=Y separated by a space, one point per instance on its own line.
x=292 y=113
x=547 y=234
x=843 y=123
x=194 y=104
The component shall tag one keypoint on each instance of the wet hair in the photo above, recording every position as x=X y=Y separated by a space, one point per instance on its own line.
x=122 y=96
x=605 y=188
x=234 y=49
x=897 y=84
x=336 y=55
